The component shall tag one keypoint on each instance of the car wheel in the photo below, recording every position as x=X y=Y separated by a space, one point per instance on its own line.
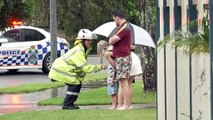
x=46 y=63
x=12 y=70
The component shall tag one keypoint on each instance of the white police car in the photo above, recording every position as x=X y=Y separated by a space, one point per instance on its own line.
x=28 y=47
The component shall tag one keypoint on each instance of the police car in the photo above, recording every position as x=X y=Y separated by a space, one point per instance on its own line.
x=28 y=47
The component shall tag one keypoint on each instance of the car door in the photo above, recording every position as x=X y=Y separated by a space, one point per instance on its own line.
x=20 y=50
x=12 y=47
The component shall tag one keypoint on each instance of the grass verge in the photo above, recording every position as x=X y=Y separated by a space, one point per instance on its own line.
x=100 y=97
x=135 y=114
x=28 y=88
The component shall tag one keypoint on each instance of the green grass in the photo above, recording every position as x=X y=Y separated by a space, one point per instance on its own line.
x=28 y=88
x=95 y=77
x=135 y=114
x=99 y=97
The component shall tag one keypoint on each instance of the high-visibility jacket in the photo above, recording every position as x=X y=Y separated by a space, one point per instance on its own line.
x=72 y=67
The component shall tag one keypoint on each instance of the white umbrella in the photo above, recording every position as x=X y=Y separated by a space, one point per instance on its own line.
x=141 y=36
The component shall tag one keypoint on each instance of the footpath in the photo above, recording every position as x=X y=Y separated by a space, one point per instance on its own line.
x=135 y=106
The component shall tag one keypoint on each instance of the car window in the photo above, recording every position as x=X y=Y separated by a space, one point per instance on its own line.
x=31 y=35
x=12 y=35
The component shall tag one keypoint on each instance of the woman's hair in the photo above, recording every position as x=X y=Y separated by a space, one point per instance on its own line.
x=101 y=45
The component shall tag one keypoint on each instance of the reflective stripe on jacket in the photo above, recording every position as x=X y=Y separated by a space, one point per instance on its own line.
x=72 y=67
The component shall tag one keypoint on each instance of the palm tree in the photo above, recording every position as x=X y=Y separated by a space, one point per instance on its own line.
x=190 y=42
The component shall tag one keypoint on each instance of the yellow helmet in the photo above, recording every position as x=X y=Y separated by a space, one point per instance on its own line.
x=86 y=34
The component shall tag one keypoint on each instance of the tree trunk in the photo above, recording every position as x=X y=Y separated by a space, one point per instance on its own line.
x=148 y=54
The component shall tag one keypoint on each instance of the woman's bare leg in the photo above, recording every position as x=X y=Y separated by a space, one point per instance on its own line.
x=130 y=88
x=120 y=97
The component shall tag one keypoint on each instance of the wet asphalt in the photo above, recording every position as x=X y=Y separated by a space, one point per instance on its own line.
x=31 y=76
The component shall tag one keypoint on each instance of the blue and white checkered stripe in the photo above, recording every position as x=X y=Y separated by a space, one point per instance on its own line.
x=62 y=49
x=22 y=59
x=15 y=60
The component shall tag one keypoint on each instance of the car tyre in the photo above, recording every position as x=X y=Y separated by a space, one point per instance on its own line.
x=46 y=63
x=12 y=70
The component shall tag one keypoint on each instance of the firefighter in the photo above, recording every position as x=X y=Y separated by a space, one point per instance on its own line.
x=72 y=67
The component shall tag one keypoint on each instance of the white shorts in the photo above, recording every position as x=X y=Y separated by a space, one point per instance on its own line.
x=136 y=68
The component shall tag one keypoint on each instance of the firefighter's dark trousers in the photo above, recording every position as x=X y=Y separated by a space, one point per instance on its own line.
x=72 y=94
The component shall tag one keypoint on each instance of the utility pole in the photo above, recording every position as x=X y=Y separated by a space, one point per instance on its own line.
x=53 y=30
x=211 y=55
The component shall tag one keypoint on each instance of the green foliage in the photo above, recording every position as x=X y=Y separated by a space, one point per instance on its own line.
x=71 y=17
x=40 y=12
x=93 y=14
x=13 y=10
x=190 y=42
x=1 y=4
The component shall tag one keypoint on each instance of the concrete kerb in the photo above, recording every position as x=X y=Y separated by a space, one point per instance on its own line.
x=135 y=106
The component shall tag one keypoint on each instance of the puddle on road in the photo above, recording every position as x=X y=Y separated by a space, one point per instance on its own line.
x=22 y=102
x=32 y=98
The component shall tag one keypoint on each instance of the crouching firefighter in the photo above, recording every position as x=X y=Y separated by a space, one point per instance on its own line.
x=72 y=67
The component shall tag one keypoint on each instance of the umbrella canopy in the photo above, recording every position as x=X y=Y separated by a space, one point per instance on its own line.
x=141 y=36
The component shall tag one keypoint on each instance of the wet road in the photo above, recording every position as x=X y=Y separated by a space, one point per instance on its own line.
x=27 y=76
x=25 y=102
